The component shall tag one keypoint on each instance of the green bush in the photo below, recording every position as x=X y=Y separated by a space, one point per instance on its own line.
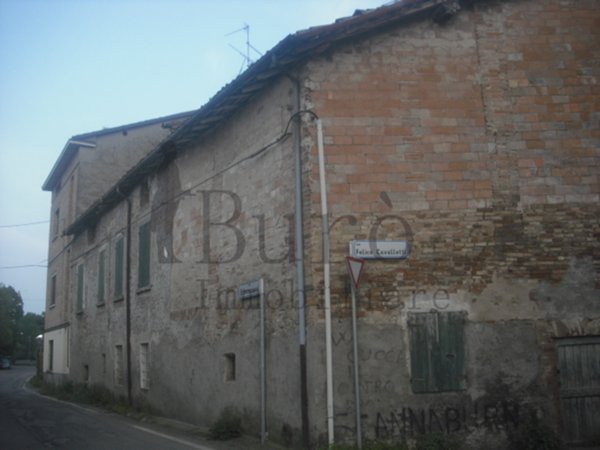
x=36 y=381
x=227 y=426
x=99 y=394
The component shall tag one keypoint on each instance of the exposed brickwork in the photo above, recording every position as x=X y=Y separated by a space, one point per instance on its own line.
x=482 y=133
x=478 y=141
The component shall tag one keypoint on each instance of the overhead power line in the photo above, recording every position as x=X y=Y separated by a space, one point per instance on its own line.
x=16 y=225
x=23 y=267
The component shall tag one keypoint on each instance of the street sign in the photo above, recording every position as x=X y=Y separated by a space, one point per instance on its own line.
x=355 y=266
x=249 y=290
x=380 y=249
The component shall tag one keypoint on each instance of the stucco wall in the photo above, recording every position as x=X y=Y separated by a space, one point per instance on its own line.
x=57 y=362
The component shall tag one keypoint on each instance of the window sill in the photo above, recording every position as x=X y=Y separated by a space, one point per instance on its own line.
x=52 y=306
x=100 y=305
x=143 y=289
x=119 y=299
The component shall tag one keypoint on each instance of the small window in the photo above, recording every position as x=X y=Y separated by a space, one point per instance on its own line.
x=144 y=379
x=119 y=267
x=53 y=291
x=437 y=355
x=101 y=276
x=50 y=355
x=144 y=194
x=80 y=288
x=229 y=366
x=91 y=235
x=56 y=225
x=86 y=373
x=119 y=365
x=144 y=256
x=103 y=365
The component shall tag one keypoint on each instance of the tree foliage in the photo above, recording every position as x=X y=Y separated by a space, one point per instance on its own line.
x=17 y=331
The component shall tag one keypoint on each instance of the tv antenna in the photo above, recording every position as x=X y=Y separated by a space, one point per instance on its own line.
x=247 y=59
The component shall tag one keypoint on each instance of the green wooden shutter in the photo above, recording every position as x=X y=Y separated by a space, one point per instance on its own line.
x=144 y=256
x=119 y=249
x=420 y=334
x=101 y=265
x=451 y=368
x=80 y=288
x=437 y=352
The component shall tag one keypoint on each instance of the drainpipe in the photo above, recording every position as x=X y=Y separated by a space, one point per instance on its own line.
x=327 y=282
x=299 y=235
x=263 y=366
x=128 y=296
x=128 y=299
x=299 y=252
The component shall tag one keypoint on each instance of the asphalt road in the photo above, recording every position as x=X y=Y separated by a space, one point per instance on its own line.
x=31 y=421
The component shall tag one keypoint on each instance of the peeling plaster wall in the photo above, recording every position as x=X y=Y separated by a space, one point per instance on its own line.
x=193 y=314
x=90 y=173
x=99 y=327
x=220 y=215
x=476 y=141
x=102 y=166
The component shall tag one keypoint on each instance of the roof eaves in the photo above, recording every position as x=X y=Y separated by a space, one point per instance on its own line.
x=67 y=154
x=130 y=126
x=82 y=140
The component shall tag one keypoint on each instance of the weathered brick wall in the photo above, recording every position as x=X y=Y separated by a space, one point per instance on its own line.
x=63 y=199
x=101 y=167
x=99 y=327
x=477 y=141
x=194 y=304
x=220 y=215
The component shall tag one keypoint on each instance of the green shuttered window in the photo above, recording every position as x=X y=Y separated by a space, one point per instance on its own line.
x=101 y=276
x=119 y=253
x=144 y=256
x=437 y=351
x=80 y=288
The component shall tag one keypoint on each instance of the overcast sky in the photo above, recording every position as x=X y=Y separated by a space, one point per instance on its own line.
x=73 y=66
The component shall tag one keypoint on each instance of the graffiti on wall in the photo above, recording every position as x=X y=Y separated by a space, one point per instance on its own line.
x=405 y=422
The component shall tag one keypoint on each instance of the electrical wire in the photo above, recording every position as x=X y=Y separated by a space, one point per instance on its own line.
x=24 y=224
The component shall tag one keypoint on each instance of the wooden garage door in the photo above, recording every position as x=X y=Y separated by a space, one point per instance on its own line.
x=579 y=364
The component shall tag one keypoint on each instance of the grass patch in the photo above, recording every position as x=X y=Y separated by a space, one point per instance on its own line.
x=95 y=395
x=437 y=441
x=535 y=435
x=430 y=441
x=227 y=426
x=370 y=446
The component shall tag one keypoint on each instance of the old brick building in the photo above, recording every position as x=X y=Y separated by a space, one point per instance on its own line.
x=88 y=165
x=468 y=131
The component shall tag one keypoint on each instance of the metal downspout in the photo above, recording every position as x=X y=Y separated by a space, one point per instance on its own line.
x=327 y=282
x=128 y=297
